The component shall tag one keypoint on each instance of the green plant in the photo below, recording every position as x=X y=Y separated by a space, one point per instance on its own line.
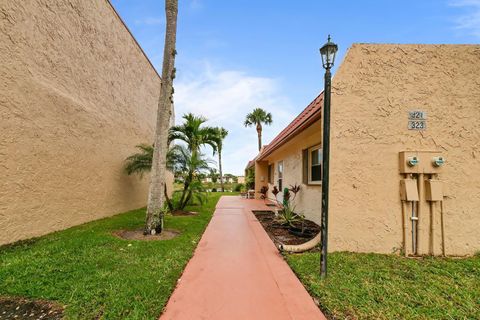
x=387 y=286
x=220 y=135
x=286 y=197
x=287 y=215
x=256 y=118
x=140 y=162
x=250 y=179
x=188 y=165
x=238 y=187
x=263 y=192
x=99 y=276
x=194 y=133
x=294 y=189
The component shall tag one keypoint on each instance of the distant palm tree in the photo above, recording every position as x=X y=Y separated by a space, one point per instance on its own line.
x=194 y=134
x=256 y=118
x=221 y=134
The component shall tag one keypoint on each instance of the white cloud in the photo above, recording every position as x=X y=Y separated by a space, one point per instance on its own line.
x=225 y=97
x=471 y=20
x=195 y=5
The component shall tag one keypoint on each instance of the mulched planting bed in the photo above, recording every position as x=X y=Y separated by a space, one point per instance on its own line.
x=138 y=235
x=281 y=234
x=19 y=308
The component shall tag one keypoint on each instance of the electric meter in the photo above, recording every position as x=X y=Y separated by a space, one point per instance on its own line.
x=412 y=161
x=438 y=161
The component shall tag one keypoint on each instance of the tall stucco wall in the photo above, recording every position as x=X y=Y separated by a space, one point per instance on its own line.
x=76 y=95
x=373 y=90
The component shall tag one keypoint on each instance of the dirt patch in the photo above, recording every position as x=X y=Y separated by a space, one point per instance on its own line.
x=282 y=234
x=182 y=213
x=19 y=308
x=166 y=234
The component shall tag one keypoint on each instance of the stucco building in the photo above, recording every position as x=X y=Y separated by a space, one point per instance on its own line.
x=375 y=93
x=77 y=94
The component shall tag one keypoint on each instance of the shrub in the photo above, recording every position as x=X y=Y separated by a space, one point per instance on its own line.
x=287 y=216
x=214 y=190
x=264 y=191
x=238 y=187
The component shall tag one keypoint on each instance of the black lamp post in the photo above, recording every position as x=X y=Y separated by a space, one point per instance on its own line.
x=328 y=52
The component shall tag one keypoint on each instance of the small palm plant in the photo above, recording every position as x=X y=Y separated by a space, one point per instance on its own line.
x=287 y=215
x=140 y=162
x=183 y=163
x=194 y=133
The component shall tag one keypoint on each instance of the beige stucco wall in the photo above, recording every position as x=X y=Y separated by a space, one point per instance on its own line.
x=373 y=90
x=77 y=94
x=308 y=200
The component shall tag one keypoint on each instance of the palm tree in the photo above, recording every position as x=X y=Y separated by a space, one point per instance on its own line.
x=221 y=134
x=141 y=162
x=156 y=194
x=256 y=118
x=213 y=174
x=188 y=165
x=183 y=163
x=194 y=134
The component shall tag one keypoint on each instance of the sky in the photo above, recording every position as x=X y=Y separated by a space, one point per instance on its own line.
x=236 y=55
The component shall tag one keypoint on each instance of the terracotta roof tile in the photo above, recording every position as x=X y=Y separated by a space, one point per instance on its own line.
x=309 y=115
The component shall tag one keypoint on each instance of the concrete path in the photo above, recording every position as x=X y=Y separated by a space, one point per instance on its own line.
x=237 y=273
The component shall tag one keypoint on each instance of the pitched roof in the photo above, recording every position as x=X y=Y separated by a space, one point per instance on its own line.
x=250 y=164
x=305 y=119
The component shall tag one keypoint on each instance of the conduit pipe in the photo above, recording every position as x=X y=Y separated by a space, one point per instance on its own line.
x=431 y=205
x=309 y=245
x=421 y=198
x=442 y=228
x=404 y=220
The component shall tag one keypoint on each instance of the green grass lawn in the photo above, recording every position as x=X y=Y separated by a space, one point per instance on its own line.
x=374 y=286
x=98 y=275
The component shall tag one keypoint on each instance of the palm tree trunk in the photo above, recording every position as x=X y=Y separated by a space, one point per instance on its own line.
x=156 y=194
x=259 y=132
x=167 y=199
x=184 y=195
x=220 y=168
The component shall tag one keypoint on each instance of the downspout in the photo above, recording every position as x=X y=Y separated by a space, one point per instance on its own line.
x=309 y=245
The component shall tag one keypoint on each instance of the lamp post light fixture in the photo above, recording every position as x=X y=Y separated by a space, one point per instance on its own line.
x=328 y=52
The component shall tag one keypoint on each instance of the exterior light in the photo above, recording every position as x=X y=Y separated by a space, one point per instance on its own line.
x=328 y=52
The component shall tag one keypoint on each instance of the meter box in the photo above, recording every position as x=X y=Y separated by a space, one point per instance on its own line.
x=429 y=162
x=433 y=190
x=409 y=162
x=408 y=190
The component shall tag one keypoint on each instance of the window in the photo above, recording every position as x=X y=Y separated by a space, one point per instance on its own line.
x=314 y=165
x=280 y=176
x=270 y=173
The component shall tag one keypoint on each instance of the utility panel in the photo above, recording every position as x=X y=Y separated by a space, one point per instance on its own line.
x=433 y=190
x=408 y=190
x=428 y=162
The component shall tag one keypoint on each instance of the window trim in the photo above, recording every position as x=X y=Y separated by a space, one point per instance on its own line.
x=309 y=175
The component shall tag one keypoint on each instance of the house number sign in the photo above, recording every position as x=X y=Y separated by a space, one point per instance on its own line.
x=417 y=120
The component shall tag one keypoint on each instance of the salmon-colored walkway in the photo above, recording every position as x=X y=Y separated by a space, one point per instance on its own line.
x=237 y=273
